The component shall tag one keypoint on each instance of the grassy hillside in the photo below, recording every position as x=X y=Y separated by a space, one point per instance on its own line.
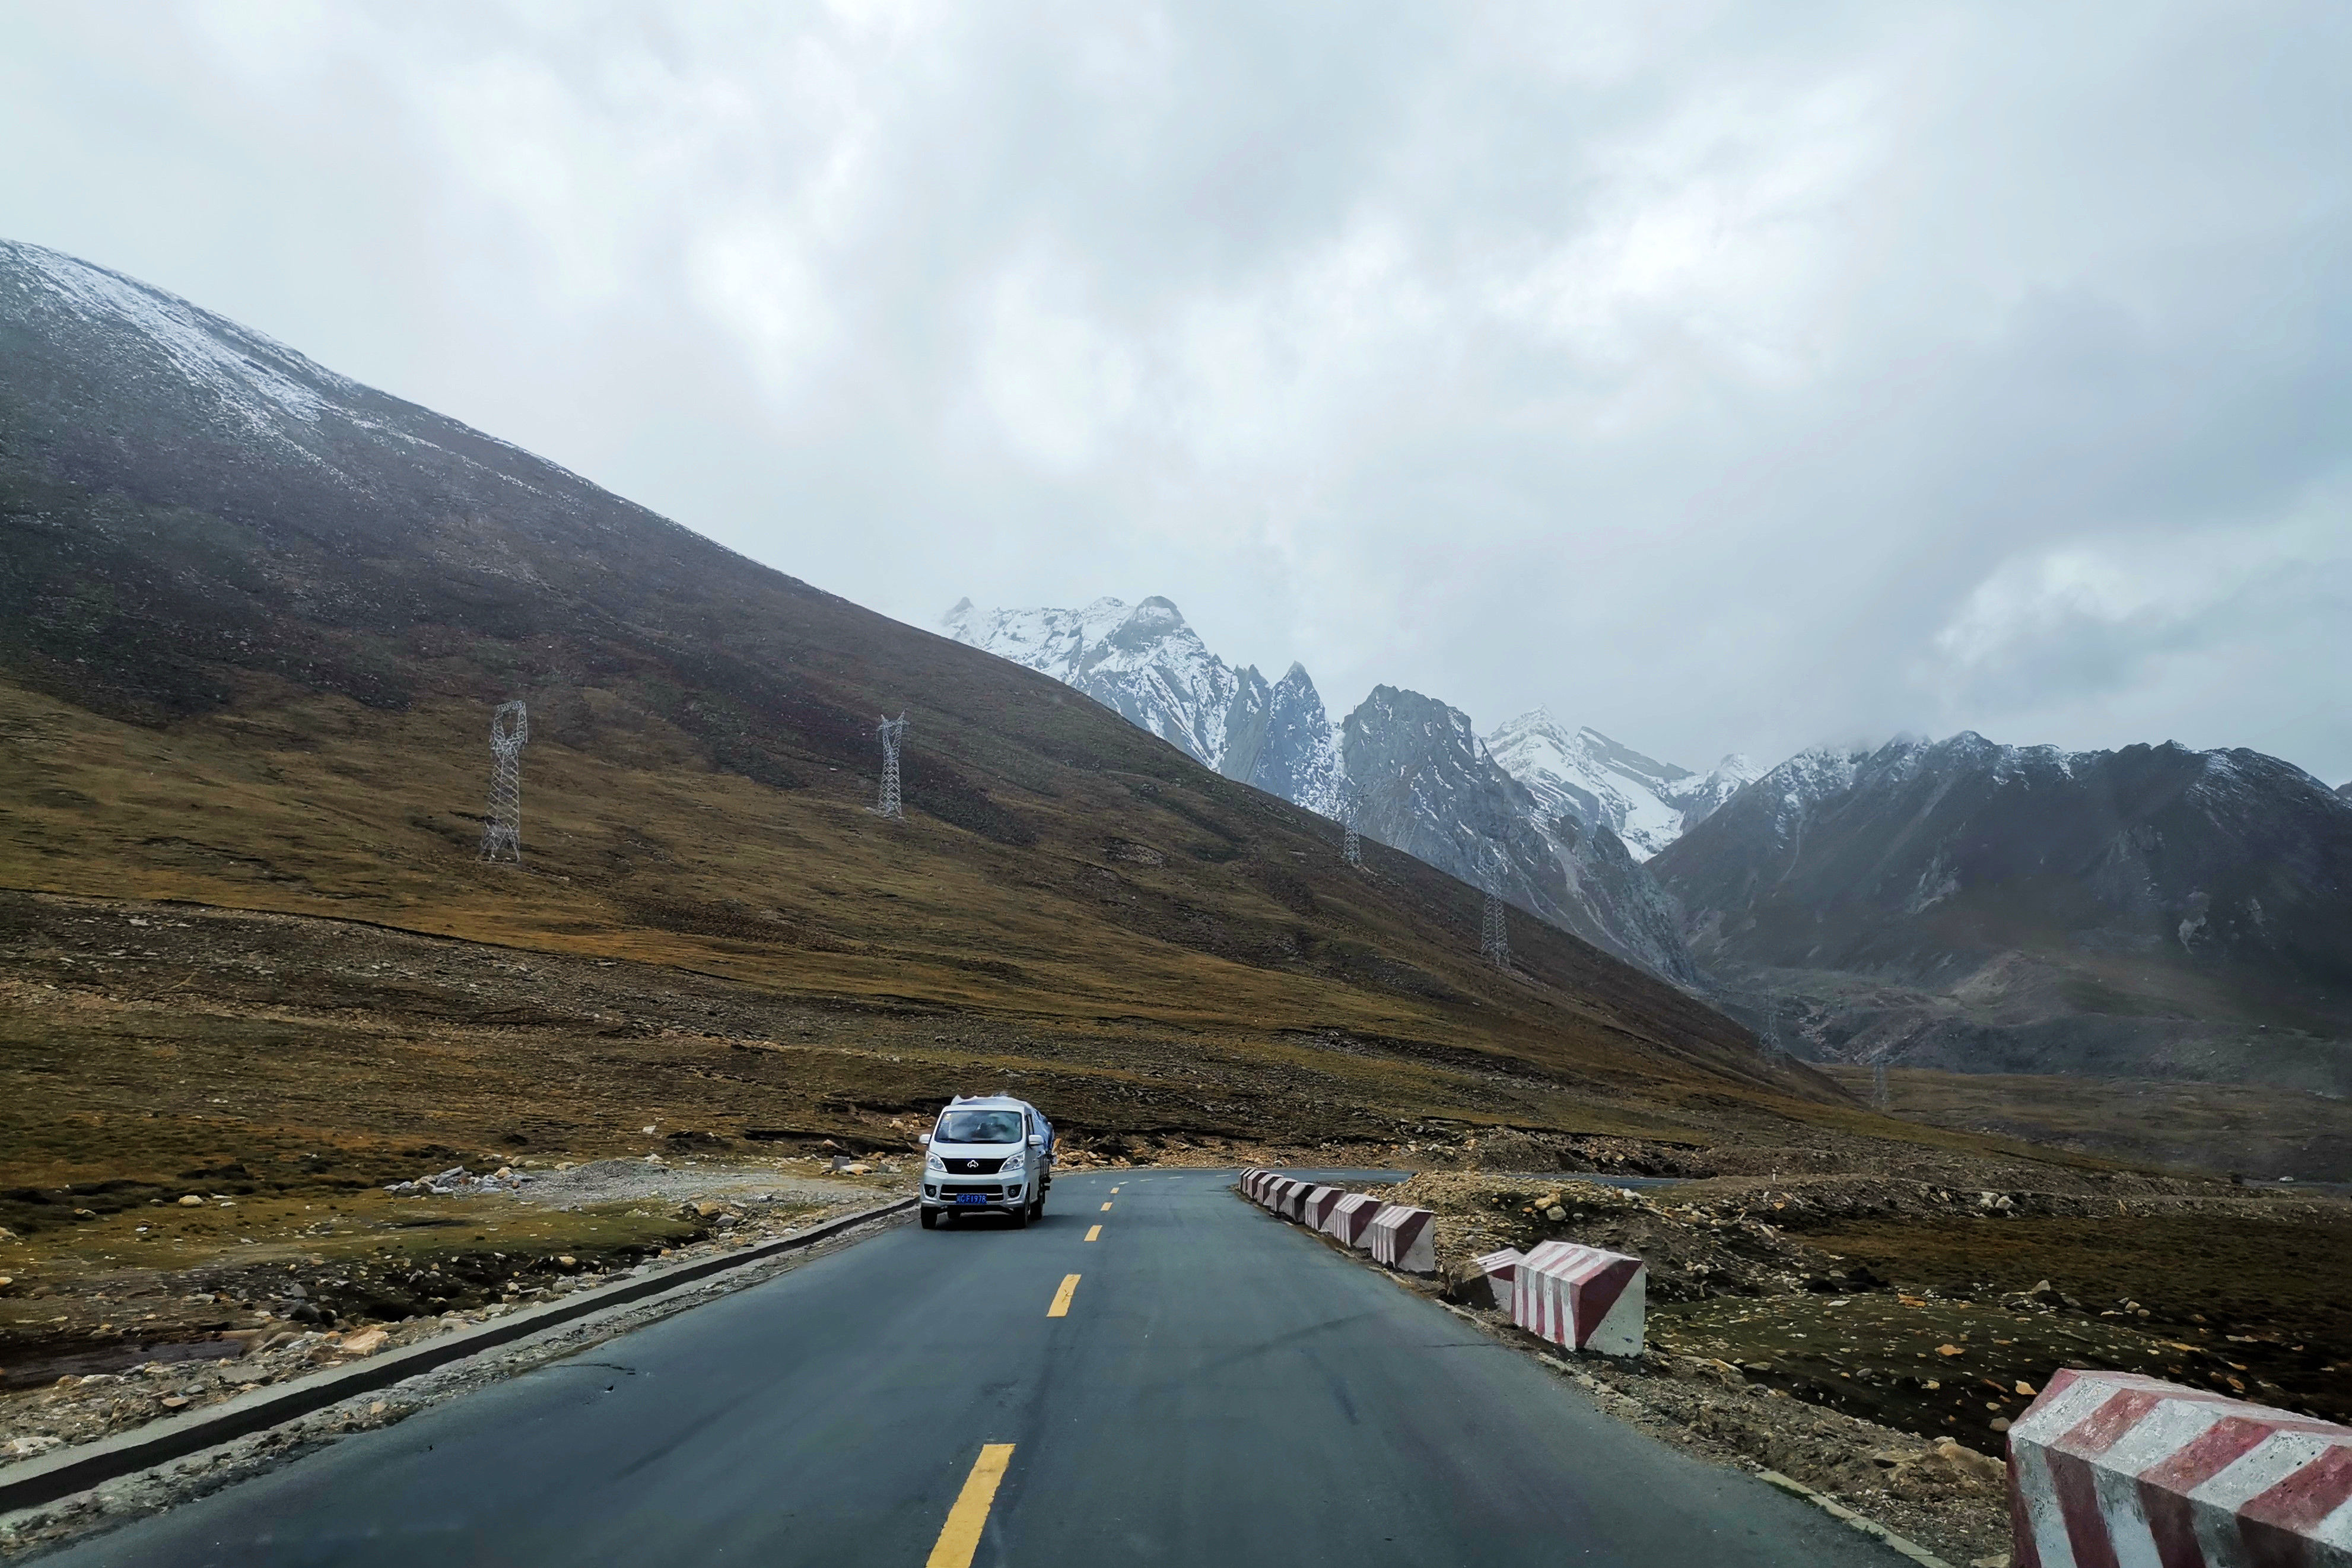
x=1167 y=897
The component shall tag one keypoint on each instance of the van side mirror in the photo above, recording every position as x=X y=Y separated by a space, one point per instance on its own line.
x=925 y=1140
x=1036 y=1140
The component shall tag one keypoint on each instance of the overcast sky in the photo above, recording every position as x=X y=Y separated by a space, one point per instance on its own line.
x=1726 y=378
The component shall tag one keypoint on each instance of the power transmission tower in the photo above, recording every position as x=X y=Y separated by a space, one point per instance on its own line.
x=893 y=731
x=502 y=827
x=1351 y=849
x=1351 y=844
x=1774 y=1052
x=1881 y=1098
x=1494 y=937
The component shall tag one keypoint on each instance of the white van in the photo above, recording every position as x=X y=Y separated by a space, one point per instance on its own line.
x=988 y=1154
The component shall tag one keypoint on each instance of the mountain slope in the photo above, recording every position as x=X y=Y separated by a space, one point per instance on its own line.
x=253 y=617
x=1429 y=788
x=2153 y=910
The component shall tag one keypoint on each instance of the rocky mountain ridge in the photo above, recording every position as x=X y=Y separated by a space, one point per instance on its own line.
x=1411 y=770
x=1146 y=664
x=2152 y=911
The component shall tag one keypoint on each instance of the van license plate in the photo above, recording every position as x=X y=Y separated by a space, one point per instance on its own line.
x=970 y=1198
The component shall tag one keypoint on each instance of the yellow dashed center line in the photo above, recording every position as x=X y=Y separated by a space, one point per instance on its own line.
x=959 y=1537
x=1094 y=1233
x=1061 y=1307
x=1114 y=1191
x=1106 y=1206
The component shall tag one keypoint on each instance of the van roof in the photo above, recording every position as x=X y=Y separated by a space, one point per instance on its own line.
x=992 y=1101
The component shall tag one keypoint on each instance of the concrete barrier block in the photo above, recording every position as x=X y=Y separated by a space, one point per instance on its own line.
x=2108 y=1468
x=1292 y=1195
x=1581 y=1298
x=1404 y=1238
x=1488 y=1281
x=1317 y=1206
x=1351 y=1217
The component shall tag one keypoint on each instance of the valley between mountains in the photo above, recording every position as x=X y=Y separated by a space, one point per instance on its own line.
x=255 y=617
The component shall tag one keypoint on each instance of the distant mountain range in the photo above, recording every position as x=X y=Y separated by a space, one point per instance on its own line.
x=1555 y=820
x=1958 y=904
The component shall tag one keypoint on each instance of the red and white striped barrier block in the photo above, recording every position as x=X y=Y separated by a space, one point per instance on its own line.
x=1262 y=1192
x=1247 y=1183
x=1489 y=1279
x=1404 y=1238
x=1294 y=1193
x=1581 y=1297
x=1351 y=1217
x=2108 y=1469
x=1317 y=1206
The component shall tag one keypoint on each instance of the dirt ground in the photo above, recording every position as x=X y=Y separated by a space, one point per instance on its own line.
x=2259 y=1131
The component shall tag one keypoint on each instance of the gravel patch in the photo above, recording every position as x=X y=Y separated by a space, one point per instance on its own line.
x=633 y=1181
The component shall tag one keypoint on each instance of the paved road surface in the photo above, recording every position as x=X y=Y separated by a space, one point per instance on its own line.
x=1221 y=1389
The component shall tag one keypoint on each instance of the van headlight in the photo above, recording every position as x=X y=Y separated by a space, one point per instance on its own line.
x=936 y=1164
x=1012 y=1165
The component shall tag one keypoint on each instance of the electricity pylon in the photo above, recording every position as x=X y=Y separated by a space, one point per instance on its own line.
x=893 y=731
x=502 y=826
x=1495 y=934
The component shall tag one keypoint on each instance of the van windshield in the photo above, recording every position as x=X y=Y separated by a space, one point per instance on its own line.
x=980 y=1127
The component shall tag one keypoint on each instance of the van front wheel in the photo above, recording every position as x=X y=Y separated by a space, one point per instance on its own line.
x=930 y=1220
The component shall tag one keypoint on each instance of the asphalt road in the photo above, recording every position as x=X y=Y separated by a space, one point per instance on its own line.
x=1220 y=1388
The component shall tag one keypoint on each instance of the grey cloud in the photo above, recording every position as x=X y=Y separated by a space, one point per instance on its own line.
x=1727 y=379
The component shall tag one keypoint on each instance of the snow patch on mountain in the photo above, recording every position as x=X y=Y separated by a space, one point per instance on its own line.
x=255 y=377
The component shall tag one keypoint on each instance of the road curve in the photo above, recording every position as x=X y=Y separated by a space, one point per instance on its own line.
x=1218 y=1388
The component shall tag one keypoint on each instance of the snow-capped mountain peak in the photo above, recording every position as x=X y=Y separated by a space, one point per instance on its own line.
x=1585 y=776
x=1147 y=665
x=1549 y=817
